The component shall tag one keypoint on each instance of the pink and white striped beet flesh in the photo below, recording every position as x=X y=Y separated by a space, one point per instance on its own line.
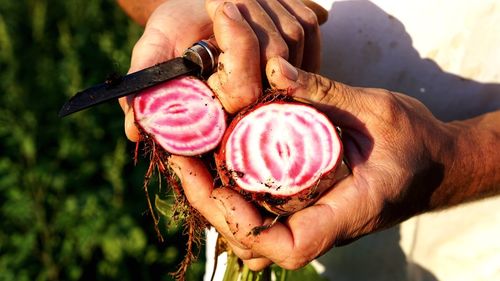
x=182 y=115
x=282 y=154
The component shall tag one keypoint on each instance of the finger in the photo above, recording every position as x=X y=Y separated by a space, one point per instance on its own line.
x=288 y=26
x=257 y=264
x=343 y=214
x=239 y=214
x=271 y=43
x=275 y=243
x=308 y=233
x=197 y=184
x=242 y=252
x=198 y=187
x=243 y=219
x=131 y=130
x=312 y=39
x=341 y=103
x=238 y=81
x=167 y=34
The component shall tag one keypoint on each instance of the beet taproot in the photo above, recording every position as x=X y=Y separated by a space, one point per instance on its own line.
x=281 y=155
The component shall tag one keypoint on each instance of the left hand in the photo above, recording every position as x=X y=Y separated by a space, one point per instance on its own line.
x=238 y=83
x=172 y=26
x=278 y=28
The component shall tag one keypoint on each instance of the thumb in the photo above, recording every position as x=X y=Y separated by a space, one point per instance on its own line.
x=237 y=81
x=327 y=95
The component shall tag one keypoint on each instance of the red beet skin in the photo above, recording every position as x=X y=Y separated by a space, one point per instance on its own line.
x=282 y=155
x=182 y=115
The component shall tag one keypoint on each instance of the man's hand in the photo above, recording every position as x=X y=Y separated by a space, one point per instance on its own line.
x=278 y=28
x=172 y=26
x=404 y=162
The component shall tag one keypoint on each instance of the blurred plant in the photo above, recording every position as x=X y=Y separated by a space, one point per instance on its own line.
x=71 y=203
x=236 y=270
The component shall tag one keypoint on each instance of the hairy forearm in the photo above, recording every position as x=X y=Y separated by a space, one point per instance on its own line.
x=139 y=10
x=472 y=162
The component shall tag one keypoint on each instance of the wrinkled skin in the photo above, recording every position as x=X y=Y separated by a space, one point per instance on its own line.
x=404 y=161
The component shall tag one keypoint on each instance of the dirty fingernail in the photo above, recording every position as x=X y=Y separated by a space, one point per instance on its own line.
x=232 y=11
x=288 y=70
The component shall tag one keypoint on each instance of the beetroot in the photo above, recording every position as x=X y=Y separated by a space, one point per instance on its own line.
x=282 y=155
x=279 y=154
x=182 y=115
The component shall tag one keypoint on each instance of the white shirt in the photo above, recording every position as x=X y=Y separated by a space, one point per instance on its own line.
x=446 y=53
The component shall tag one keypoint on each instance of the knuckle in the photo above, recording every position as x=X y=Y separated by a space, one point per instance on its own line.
x=244 y=254
x=308 y=19
x=294 y=31
x=322 y=89
x=388 y=106
x=298 y=258
x=253 y=266
x=277 y=47
x=231 y=93
x=329 y=92
x=293 y=263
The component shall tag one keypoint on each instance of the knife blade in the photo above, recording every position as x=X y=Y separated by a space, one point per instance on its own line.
x=200 y=60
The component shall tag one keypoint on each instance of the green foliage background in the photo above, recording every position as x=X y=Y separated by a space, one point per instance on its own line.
x=71 y=200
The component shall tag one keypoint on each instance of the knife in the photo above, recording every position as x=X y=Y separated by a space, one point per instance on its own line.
x=200 y=59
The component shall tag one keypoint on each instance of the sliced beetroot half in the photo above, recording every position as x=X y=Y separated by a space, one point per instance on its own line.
x=281 y=155
x=182 y=115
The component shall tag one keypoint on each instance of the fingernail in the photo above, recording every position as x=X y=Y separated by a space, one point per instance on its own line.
x=232 y=11
x=288 y=70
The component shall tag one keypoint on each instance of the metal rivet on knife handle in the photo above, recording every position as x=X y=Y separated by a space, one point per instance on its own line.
x=205 y=54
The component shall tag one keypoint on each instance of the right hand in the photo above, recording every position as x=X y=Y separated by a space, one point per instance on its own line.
x=401 y=157
x=282 y=28
x=404 y=162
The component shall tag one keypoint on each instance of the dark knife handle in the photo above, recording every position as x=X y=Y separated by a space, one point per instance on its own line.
x=204 y=53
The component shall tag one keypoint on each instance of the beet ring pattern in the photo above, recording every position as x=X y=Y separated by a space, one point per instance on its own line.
x=281 y=149
x=182 y=115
